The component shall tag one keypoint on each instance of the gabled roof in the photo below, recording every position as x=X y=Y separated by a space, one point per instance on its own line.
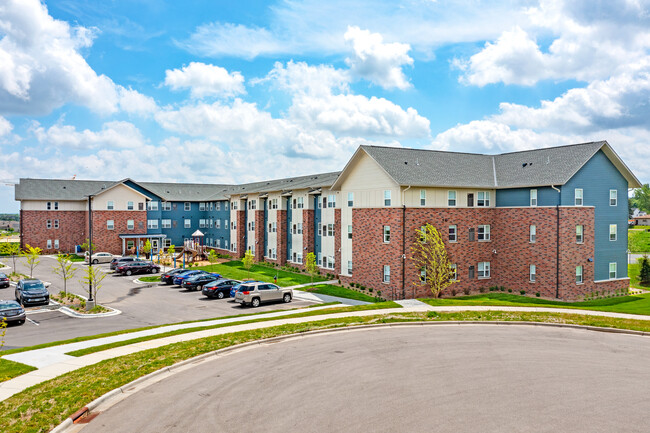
x=169 y=191
x=538 y=167
x=60 y=189
x=311 y=181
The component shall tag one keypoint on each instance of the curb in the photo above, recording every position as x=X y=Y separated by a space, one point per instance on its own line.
x=152 y=378
x=72 y=313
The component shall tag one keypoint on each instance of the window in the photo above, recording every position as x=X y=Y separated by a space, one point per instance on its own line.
x=110 y=225
x=56 y=224
x=48 y=224
x=533 y=197
x=110 y=205
x=387 y=197
x=49 y=205
x=301 y=202
x=350 y=199
x=483 y=233
x=49 y=244
x=580 y=234
x=252 y=226
x=187 y=223
x=217 y=223
x=152 y=224
x=225 y=224
x=612 y=271
x=330 y=230
x=484 y=269
x=612 y=232
x=423 y=275
x=211 y=223
x=166 y=206
x=274 y=203
x=294 y=205
x=349 y=232
x=613 y=197
x=167 y=243
x=201 y=206
x=331 y=200
x=423 y=197
x=454 y=272
x=129 y=205
x=330 y=262
x=201 y=223
x=166 y=223
x=252 y=205
x=349 y=267
x=470 y=274
x=533 y=234
x=320 y=259
x=483 y=199
x=130 y=244
x=578 y=274
x=140 y=206
x=211 y=205
x=274 y=227
x=470 y=200
x=533 y=270
x=299 y=258
x=299 y=228
x=187 y=206
x=453 y=233
x=386 y=234
x=451 y=198
x=294 y=229
x=233 y=247
x=56 y=245
x=386 y=278
x=152 y=205
x=471 y=234
x=217 y=205
x=130 y=225
x=233 y=205
x=578 y=197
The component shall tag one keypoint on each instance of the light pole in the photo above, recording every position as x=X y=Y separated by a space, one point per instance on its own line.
x=90 y=248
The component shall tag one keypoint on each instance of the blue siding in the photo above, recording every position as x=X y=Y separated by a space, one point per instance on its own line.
x=289 y=238
x=515 y=197
x=222 y=214
x=596 y=178
x=317 y=220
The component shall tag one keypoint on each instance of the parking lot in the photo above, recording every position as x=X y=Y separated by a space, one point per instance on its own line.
x=141 y=305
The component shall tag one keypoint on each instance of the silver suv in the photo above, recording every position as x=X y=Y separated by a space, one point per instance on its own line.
x=255 y=293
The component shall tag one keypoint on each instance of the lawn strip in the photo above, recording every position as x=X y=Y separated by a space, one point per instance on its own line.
x=11 y=369
x=42 y=407
x=150 y=279
x=235 y=270
x=638 y=241
x=341 y=292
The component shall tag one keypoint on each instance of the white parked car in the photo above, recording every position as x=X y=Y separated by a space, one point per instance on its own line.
x=99 y=258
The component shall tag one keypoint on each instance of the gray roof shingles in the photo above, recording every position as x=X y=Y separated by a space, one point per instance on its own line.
x=59 y=189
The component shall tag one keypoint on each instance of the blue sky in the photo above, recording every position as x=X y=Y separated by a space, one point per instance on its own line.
x=222 y=91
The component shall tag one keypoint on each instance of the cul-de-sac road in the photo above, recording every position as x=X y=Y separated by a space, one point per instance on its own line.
x=449 y=378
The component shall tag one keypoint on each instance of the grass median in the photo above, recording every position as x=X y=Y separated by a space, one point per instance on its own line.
x=341 y=292
x=41 y=407
x=235 y=270
x=11 y=369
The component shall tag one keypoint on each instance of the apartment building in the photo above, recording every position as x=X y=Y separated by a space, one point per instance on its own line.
x=551 y=221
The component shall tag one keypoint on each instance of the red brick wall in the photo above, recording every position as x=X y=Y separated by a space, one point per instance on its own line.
x=259 y=234
x=308 y=235
x=573 y=254
x=337 y=241
x=281 y=248
x=241 y=232
x=72 y=229
x=108 y=240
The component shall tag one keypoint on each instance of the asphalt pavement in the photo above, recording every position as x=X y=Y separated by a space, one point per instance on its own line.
x=449 y=378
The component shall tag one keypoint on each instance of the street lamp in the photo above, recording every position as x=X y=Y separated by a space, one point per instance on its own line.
x=90 y=248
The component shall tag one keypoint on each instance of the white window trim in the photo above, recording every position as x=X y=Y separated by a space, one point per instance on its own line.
x=383 y=232
x=532 y=273
x=615 y=198
x=609 y=270
x=486 y=233
x=455 y=227
x=582 y=275
x=576 y=198
x=385 y=280
x=455 y=199
x=533 y=200
x=615 y=233
x=532 y=234
x=489 y=270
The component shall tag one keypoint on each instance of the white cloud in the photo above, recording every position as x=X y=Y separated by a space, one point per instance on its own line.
x=377 y=61
x=226 y=39
x=299 y=77
x=5 y=126
x=116 y=134
x=133 y=102
x=205 y=80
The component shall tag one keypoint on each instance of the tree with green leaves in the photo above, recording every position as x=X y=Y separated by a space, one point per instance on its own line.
x=644 y=275
x=92 y=281
x=86 y=245
x=171 y=250
x=13 y=249
x=212 y=257
x=641 y=198
x=146 y=249
x=430 y=258
x=311 y=266
x=32 y=254
x=64 y=269
x=248 y=261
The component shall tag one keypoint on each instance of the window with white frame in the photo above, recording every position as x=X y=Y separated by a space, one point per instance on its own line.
x=386 y=274
x=252 y=249
x=225 y=243
x=330 y=262
x=252 y=226
x=274 y=254
x=451 y=198
x=299 y=228
x=578 y=201
x=166 y=223
x=217 y=205
x=613 y=197
x=533 y=234
x=253 y=204
x=483 y=233
x=201 y=223
x=130 y=244
x=612 y=232
x=386 y=234
x=187 y=206
x=320 y=259
x=349 y=231
x=454 y=272
x=218 y=243
x=166 y=206
x=294 y=229
x=299 y=258
x=202 y=206
x=49 y=244
x=331 y=200
x=56 y=205
x=217 y=223
x=324 y=229
x=56 y=244
x=533 y=197
x=293 y=204
x=130 y=224
x=579 y=274
x=49 y=205
x=152 y=205
x=320 y=230
x=233 y=225
x=349 y=267
x=532 y=273
x=211 y=222
x=423 y=197
x=152 y=224
x=274 y=227
x=211 y=205
x=110 y=225
x=225 y=224
x=423 y=275
x=56 y=224
x=612 y=271
x=233 y=205
x=350 y=199
x=110 y=205
x=167 y=243
x=330 y=230
x=484 y=269
x=453 y=233
x=483 y=199
x=233 y=247
x=580 y=238
x=301 y=202
x=129 y=205
x=187 y=223
x=274 y=203
x=387 y=194
x=48 y=224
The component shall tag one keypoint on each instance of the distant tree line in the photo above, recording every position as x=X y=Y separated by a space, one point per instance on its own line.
x=9 y=217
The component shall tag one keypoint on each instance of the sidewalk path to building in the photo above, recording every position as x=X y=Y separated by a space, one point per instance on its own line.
x=53 y=361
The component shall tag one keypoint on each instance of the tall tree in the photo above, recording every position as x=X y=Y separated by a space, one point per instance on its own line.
x=644 y=275
x=429 y=254
x=64 y=269
x=641 y=198
x=311 y=266
x=248 y=261
x=32 y=254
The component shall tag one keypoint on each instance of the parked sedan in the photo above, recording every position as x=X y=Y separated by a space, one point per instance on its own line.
x=219 y=288
x=168 y=277
x=4 y=280
x=32 y=291
x=198 y=281
x=12 y=311
x=180 y=277
x=117 y=261
x=138 y=268
x=99 y=258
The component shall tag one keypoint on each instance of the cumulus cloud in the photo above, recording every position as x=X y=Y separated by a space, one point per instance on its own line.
x=377 y=61
x=133 y=102
x=299 y=77
x=226 y=39
x=5 y=126
x=205 y=80
x=116 y=134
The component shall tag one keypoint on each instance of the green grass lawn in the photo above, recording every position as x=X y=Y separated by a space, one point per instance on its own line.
x=150 y=279
x=638 y=241
x=635 y=304
x=11 y=369
x=633 y=272
x=235 y=270
x=342 y=292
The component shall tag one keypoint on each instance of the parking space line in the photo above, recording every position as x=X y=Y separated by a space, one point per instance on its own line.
x=33 y=321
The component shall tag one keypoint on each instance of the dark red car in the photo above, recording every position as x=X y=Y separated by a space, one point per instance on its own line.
x=138 y=268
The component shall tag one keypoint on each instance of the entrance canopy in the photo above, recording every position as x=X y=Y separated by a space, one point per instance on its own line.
x=197 y=233
x=137 y=237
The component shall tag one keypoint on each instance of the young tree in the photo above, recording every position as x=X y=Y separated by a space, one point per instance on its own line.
x=86 y=245
x=13 y=249
x=64 y=269
x=311 y=266
x=644 y=275
x=146 y=249
x=212 y=257
x=430 y=255
x=248 y=261
x=32 y=254
x=93 y=281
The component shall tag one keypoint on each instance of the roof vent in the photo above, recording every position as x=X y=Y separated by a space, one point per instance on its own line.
x=64 y=186
x=417 y=161
x=406 y=162
x=524 y=164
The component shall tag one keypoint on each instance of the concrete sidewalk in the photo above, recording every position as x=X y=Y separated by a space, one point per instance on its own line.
x=59 y=363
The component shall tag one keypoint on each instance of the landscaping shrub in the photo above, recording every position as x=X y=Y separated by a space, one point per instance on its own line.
x=492 y=288
x=467 y=291
x=509 y=290
x=537 y=294
x=522 y=292
x=481 y=289
x=369 y=289
x=453 y=292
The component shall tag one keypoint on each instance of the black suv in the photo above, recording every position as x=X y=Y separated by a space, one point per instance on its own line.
x=32 y=291
x=137 y=268
x=117 y=261
x=4 y=280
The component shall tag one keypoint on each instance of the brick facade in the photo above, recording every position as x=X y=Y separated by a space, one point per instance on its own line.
x=282 y=234
x=259 y=234
x=109 y=240
x=337 y=241
x=308 y=235
x=72 y=231
x=241 y=233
